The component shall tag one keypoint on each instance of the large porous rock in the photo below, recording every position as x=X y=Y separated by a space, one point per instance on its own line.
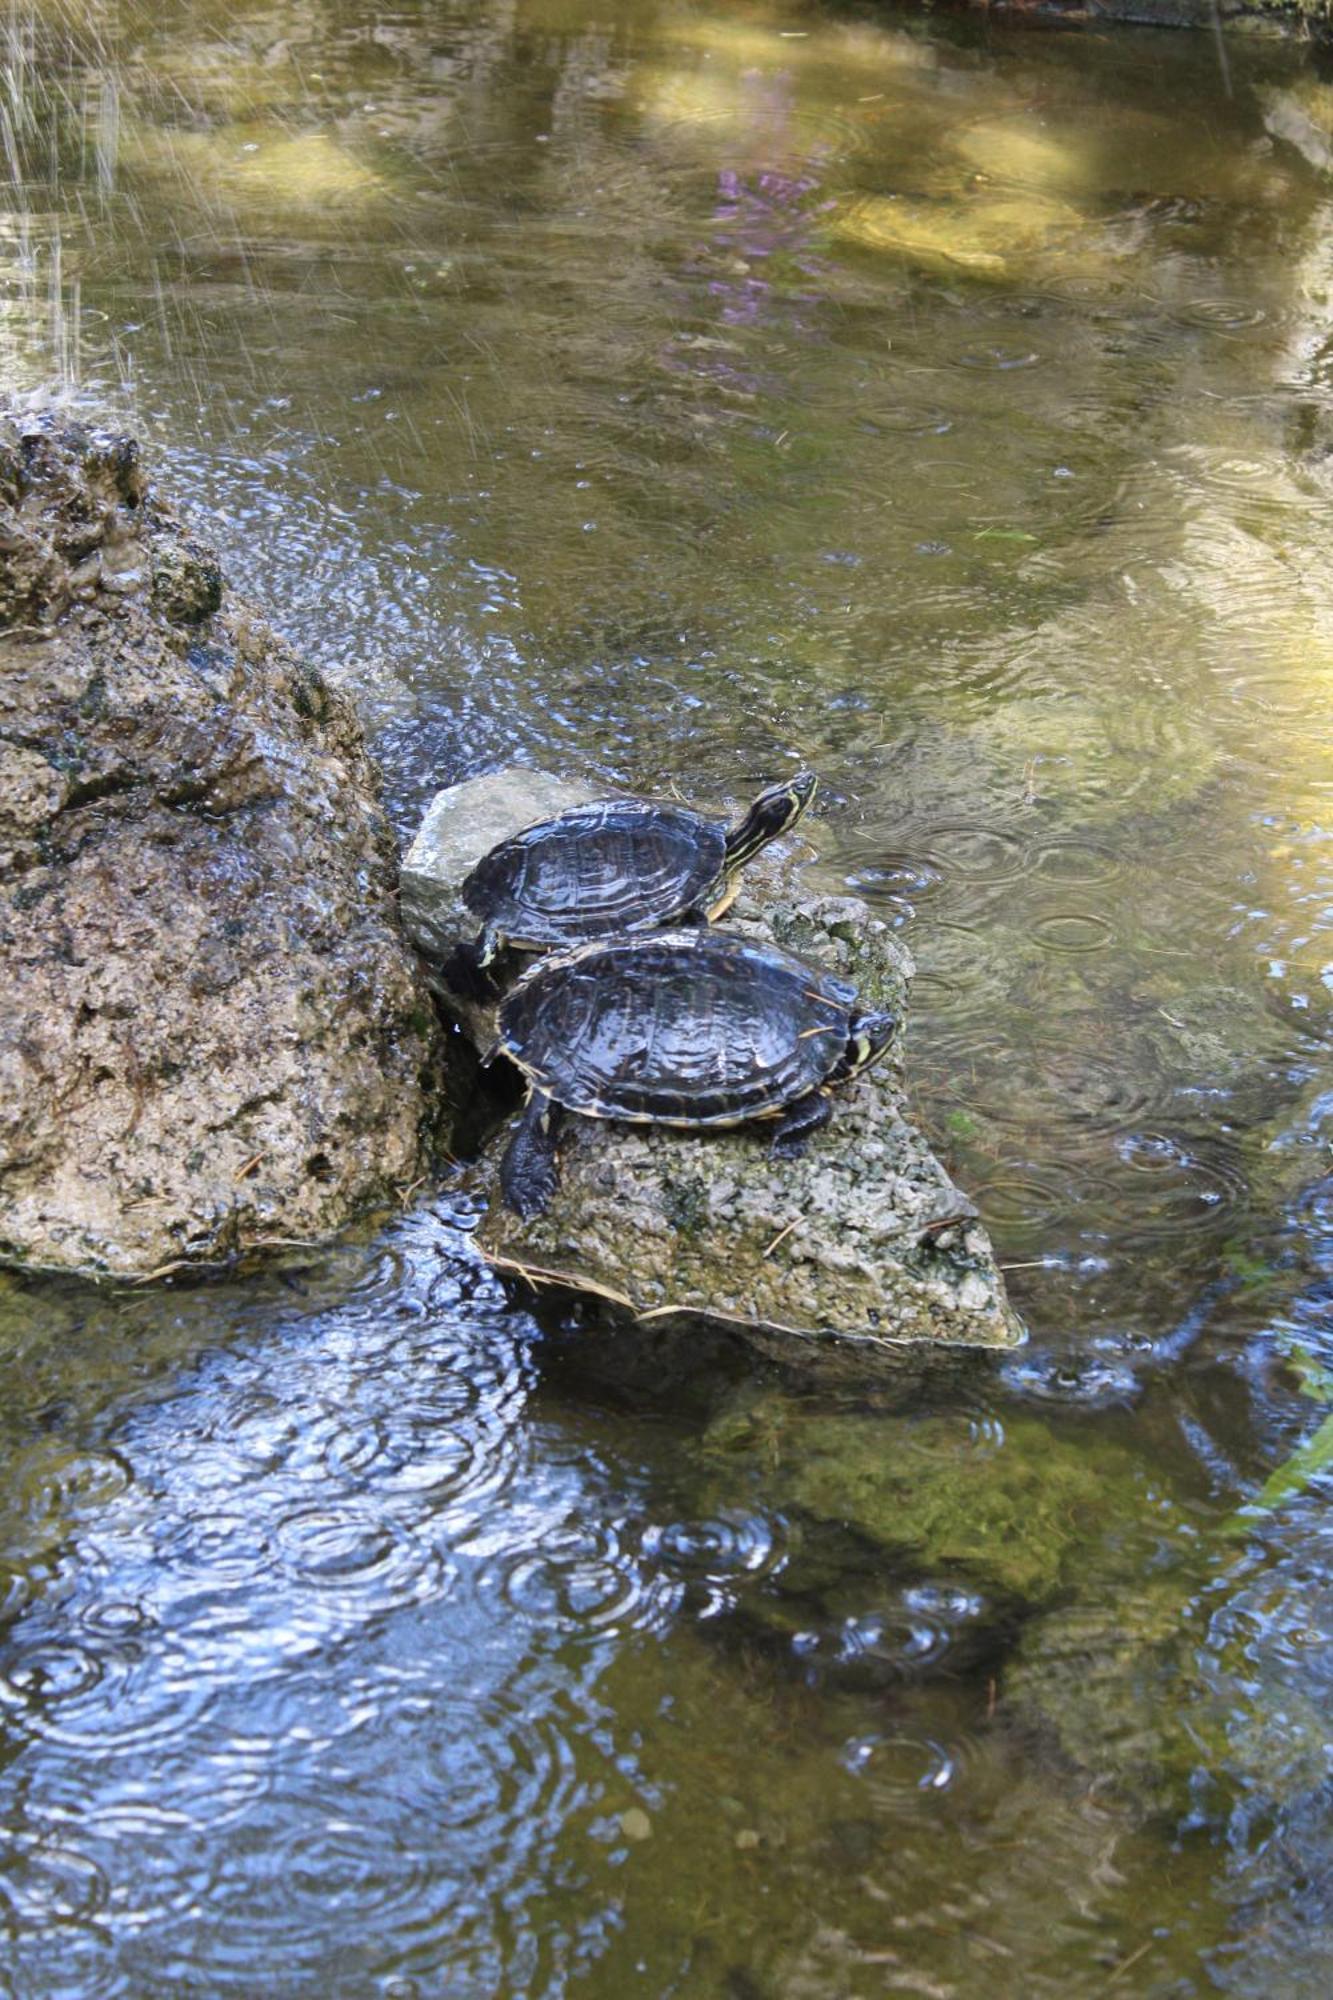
x=212 y=1035
x=865 y=1237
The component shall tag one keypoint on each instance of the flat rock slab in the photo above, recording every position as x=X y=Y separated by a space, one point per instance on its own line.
x=866 y=1237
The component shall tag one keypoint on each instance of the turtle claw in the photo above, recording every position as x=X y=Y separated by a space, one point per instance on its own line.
x=531 y=1195
x=529 y=1171
x=806 y=1115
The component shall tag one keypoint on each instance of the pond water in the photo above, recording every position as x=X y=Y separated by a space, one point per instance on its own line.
x=674 y=393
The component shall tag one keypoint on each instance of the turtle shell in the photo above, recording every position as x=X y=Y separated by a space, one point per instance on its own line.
x=676 y=1028
x=615 y=865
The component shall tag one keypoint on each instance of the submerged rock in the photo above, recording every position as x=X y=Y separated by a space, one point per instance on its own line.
x=865 y=1237
x=211 y=1032
x=1193 y=1692
x=994 y=237
x=1111 y=1686
x=1008 y=1510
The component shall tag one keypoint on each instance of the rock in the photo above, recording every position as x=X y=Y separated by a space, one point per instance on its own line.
x=1009 y=1512
x=998 y=237
x=1112 y=1686
x=187 y=582
x=464 y=822
x=1194 y=1692
x=865 y=1237
x=211 y=1033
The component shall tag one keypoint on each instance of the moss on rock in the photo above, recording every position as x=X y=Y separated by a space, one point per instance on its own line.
x=1012 y=1510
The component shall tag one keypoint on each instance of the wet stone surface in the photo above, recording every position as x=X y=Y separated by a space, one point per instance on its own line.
x=213 y=1035
x=464 y=822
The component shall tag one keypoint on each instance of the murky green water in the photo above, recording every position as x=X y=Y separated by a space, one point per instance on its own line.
x=671 y=393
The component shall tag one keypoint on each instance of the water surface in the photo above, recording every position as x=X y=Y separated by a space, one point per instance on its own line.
x=674 y=394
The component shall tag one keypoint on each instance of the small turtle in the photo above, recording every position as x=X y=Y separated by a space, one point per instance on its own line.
x=618 y=865
x=688 y=1028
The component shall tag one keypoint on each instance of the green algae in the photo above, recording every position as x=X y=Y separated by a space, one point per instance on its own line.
x=1111 y=1685
x=1177 y=1694
x=1011 y=1508
x=1120 y=1674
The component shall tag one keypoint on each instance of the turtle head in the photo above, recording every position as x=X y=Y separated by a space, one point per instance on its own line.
x=773 y=812
x=867 y=1038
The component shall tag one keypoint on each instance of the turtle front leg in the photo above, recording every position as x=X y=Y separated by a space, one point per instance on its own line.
x=467 y=971
x=529 y=1171
x=802 y=1117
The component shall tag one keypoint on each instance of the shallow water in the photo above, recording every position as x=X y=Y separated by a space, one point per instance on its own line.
x=675 y=394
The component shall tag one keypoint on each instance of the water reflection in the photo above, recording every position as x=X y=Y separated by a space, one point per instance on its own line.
x=316 y=1558
x=660 y=392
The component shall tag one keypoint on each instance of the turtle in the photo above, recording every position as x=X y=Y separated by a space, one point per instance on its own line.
x=614 y=866
x=694 y=1028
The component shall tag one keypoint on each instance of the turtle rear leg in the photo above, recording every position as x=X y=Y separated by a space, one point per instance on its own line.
x=802 y=1117
x=529 y=1171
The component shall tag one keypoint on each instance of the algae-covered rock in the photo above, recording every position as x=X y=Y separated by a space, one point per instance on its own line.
x=1012 y=1510
x=865 y=1236
x=212 y=1035
x=993 y=236
x=249 y=168
x=1184 y=1693
x=1107 y=1684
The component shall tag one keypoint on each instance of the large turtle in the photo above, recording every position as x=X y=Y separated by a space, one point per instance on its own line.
x=693 y=1028
x=618 y=865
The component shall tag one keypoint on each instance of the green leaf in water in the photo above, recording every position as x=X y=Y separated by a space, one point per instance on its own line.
x=1314 y=1457
x=1003 y=535
x=1251 y=1272
x=1316 y=1380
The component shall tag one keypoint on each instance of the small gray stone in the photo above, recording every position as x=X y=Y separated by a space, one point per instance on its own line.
x=462 y=823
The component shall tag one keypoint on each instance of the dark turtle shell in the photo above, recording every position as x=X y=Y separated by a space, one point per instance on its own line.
x=676 y=1028
x=615 y=865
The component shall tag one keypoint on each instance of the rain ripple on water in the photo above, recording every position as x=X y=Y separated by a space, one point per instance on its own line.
x=335 y=1559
